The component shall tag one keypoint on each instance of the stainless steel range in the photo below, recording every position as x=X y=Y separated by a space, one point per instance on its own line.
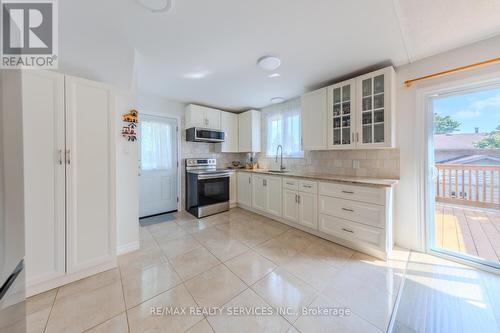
x=207 y=188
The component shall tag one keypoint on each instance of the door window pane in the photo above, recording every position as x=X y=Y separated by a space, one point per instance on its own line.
x=346 y=136
x=336 y=136
x=379 y=116
x=378 y=84
x=156 y=145
x=367 y=103
x=346 y=92
x=378 y=133
x=367 y=134
x=378 y=101
x=367 y=87
x=346 y=108
x=336 y=110
x=367 y=118
x=336 y=95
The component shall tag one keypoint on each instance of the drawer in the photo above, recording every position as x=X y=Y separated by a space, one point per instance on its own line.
x=351 y=231
x=352 y=192
x=291 y=184
x=308 y=186
x=369 y=214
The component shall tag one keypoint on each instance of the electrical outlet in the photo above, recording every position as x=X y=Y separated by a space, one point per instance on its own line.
x=355 y=164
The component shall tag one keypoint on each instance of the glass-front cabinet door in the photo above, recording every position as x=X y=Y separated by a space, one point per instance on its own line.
x=375 y=111
x=341 y=115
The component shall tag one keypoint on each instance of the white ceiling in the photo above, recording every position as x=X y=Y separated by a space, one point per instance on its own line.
x=221 y=40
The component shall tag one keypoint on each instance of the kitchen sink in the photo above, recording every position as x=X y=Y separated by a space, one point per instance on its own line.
x=277 y=171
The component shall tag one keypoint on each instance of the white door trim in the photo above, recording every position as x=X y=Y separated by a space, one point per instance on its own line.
x=179 y=152
x=424 y=139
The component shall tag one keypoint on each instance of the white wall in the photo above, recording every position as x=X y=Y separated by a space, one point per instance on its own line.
x=127 y=183
x=407 y=227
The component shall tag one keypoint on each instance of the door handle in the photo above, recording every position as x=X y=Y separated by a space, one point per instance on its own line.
x=296 y=200
x=60 y=160
x=348 y=192
x=357 y=136
x=299 y=199
x=348 y=230
x=348 y=210
x=249 y=180
x=68 y=156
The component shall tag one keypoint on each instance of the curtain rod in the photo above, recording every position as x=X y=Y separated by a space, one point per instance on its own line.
x=408 y=83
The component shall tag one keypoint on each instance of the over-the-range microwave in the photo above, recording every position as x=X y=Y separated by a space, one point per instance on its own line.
x=198 y=134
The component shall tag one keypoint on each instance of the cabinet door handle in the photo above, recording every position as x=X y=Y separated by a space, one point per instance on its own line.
x=60 y=157
x=68 y=156
x=249 y=180
x=357 y=137
x=296 y=200
x=348 y=230
x=299 y=199
x=348 y=192
x=348 y=210
x=353 y=137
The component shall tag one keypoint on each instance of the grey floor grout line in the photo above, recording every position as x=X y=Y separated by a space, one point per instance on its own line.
x=50 y=312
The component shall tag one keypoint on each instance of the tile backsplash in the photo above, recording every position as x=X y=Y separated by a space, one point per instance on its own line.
x=380 y=163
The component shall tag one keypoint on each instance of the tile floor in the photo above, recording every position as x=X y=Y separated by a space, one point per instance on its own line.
x=235 y=259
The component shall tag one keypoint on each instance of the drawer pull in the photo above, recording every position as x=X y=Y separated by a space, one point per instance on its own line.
x=307 y=186
x=348 y=210
x=348 y=230
x=290 y=183
x=348 y=192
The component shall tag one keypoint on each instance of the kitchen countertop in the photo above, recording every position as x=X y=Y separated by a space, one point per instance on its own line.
x=379 y=182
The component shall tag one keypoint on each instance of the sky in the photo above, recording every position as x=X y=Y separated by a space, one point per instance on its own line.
x=477 y=109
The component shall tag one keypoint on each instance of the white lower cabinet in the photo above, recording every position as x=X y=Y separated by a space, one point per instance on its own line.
x=69 y=187
x=300 y=202
x=290 y=205
x=266 y=194
x=233 y=188
x=244 y=188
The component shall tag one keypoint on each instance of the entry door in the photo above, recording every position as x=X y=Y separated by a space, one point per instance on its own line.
x=158 y=165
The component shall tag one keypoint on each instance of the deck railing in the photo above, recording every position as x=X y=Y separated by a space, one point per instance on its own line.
x=475 y=185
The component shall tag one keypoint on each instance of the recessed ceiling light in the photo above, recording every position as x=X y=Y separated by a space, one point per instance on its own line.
x=197 y=74
x=269 y=63
x=156 y=6
x=274 y=75
x=277 y=100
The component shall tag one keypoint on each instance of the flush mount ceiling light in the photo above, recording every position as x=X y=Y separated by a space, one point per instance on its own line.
x=156 y=6
x=274 y=75
x=269 y=63
x=277 y=100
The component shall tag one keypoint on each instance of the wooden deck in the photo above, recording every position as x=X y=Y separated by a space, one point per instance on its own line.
x=468 y=230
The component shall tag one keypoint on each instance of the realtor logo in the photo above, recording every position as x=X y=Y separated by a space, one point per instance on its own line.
x=29 y=34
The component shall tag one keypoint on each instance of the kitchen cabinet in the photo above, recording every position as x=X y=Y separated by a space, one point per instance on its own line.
x=300 y=202
x=70 y=220
x=313 y=120
x=249 y=132
x=376 y=108
x=359 y=113
x=244 y=188
x=229 y=124
x=342 y=115
x=202 y=116
x=267 y=194
x=360 y=215
x=233 y=188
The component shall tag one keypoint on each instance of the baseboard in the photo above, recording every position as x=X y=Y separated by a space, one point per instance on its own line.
x=68 y=278
x=129 y=247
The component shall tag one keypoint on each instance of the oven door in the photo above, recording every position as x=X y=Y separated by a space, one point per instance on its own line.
x=213 y=189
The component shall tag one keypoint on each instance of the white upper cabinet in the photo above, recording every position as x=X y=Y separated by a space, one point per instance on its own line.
x=354 y=114
x=313 y=120
x=342 y=115
x=204 y=117
x=229 y=124
x=249 y=131
x=375 y=95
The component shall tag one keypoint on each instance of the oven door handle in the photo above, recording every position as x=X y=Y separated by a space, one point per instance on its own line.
x=214 y=175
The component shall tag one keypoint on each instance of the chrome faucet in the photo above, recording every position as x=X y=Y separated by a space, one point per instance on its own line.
x=281 y=162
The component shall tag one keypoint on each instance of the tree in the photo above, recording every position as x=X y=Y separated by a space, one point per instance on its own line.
x=492 y=141
x=445 y=125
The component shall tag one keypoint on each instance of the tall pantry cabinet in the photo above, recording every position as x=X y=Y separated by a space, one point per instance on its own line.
x=69 y=178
